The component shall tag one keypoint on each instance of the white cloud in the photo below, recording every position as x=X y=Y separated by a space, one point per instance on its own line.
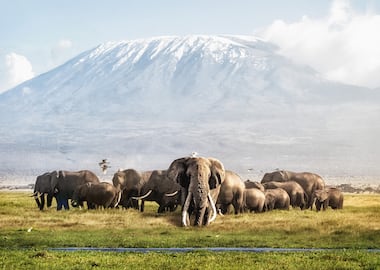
x=61 y=51
x=344 y=45
x=14 y=69
x=65 y=44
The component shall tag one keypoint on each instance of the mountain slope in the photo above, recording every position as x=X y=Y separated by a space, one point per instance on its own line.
x=142 y=103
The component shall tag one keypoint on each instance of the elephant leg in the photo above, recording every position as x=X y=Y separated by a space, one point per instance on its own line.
x=325 y=205
x=161 y=209
x=135 y=204
x=66 y=204
x=59 y=204
x=60 y=201
x=173 y=207
x=318 y=205
x=142 y=206
x=42 y=205
x=49 y=200
x=90 y=205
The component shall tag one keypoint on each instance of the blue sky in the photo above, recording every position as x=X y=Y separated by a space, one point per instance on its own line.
x=36 y=36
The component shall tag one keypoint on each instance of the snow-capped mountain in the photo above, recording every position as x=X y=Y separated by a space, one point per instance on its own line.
x=142 y=103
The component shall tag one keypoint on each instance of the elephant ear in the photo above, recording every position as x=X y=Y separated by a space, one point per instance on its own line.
x=177 y=171
x=324 y=195
x=54 y=180
x=319 y=194
x=61 y=174
x=217 y=173
x=268 y=177
x=284 y=175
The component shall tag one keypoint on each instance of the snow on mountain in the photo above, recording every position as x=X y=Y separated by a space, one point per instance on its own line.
x=142 y=103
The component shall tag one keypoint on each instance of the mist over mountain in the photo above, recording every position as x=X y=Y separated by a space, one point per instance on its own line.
x=143 y=103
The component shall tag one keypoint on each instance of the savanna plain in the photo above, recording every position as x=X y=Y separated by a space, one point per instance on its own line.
x=345 y=239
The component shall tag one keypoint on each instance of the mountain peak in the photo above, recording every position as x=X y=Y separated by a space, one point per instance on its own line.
x=218 y=47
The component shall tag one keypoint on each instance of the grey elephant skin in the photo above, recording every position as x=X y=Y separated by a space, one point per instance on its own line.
x=162 y=190
x=254 y=198
x=253 y=184
x=200 y=180
x=297 y=195
x=276 y=198
x=43 y=187
x=66 y=182
x=329 y=196
x=130 y=182
x=231 y=193
x=308 y=181
x=98 y=194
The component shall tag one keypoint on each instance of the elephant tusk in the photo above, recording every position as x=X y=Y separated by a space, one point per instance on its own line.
x=213 y=217
x=171 y=194
x=143 y=196
x=118 y=199
x=185 y=208
x=36 y=195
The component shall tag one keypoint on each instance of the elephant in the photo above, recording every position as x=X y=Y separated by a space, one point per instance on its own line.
x=328 y=196
x=200 y=179
x=253 y=184
x=254 y=200
x=276 y=198
x=130 y=183
x=308 y=181
x=231 y=192
x=65 y=182
x=297 y=195
x=98 y=194
x=42 y=186
x=162 y=190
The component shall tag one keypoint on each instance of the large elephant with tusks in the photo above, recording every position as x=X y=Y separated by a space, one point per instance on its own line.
x=162 y=190
x=130 y=182
x=43 y=187
x=200 y=180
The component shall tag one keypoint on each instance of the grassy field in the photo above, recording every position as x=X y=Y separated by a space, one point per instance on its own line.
x=27 y=235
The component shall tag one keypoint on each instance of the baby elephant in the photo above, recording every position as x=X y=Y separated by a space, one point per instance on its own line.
x=328 y=197
x=276 y=198
x=254 y=200
x=98 y=194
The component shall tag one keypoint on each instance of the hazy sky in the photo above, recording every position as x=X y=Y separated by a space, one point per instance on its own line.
x=338 y=38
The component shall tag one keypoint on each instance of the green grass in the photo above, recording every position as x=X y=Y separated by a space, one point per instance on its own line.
x=32 y=259
x=26 y=235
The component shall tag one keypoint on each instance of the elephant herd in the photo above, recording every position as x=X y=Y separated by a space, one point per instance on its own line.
x=200 y=185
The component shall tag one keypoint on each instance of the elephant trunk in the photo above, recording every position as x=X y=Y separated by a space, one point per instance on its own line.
x=36 y=196
x=40 y=199
x=200 y=214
